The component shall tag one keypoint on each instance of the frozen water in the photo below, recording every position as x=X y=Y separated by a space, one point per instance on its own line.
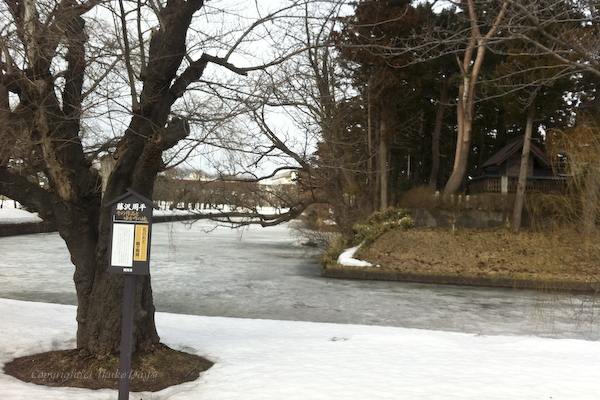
x=264 y=273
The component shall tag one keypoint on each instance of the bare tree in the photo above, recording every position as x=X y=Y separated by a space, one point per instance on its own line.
x=312 y=95
x=470 y=67
x=60 y=64
x=515 y=222
x=566 y=31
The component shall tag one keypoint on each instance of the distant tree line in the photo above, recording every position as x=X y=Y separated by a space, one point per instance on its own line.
x=426 y=92
x=216 y=192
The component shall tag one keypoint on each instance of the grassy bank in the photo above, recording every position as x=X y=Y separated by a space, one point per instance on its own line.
x=551 y=256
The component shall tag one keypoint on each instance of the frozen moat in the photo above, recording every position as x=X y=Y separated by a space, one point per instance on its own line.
x=263 y=273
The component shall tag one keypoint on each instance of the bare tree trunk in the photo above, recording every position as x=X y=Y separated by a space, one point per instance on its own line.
x=437 y=131
x=589 y=201
x=515 y=223
x=100 y=296
x=466 y=103
x=383 y=167
x=372 y=184
x=470 y=68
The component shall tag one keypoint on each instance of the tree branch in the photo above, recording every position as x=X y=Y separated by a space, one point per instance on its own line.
x=29 y=193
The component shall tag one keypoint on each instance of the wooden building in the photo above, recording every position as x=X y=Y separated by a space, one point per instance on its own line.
x=500 y=174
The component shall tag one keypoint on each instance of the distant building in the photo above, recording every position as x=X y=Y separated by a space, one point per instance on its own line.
x=284 y=178
x=198 y=176
x=501 y=171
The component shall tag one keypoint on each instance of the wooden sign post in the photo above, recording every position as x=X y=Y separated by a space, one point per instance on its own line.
x=131 y=229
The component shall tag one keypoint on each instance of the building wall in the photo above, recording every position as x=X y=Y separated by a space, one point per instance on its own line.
x=512 y=166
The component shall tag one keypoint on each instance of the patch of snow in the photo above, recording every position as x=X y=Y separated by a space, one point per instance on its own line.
x=347 y=259
x=12 y=215
x=273 y=360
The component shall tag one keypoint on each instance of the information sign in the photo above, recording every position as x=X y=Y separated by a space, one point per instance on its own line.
x=131 y=226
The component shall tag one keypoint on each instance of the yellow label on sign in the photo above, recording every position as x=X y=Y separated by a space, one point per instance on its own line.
x=140 y=252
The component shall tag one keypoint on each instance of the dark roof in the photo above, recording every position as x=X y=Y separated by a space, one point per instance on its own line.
x=512 y=147
x=130 y=192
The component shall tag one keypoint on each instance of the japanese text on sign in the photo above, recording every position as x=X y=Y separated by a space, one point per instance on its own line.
x=122 y=245
x=141 y=243
x=130 y=206
x=131 y=229
x=130 y=212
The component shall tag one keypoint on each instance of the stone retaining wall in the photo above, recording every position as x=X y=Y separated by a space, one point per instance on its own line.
x=467 y=219
x=576 y=287
x=25 y=229
x=44 y=227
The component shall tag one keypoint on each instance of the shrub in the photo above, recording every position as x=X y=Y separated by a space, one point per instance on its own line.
x=312 y=235
x=366 y=232
x=423 y=197
x=380 y=222
x=419 y=197
x=315 y=227
x=552 y=210
x=337 y=245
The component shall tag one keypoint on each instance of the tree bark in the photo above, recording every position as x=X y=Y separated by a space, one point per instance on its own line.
x=435 y=137
x=51 y=131
x=589 y=200
x=463 y=141
x=470 y=68
x=515 y=223
x=372 y=179
x=383 y=167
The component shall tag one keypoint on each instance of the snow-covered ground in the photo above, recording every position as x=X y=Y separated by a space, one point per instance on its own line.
x=347 y=259
x=274 y=359
x=9 y=214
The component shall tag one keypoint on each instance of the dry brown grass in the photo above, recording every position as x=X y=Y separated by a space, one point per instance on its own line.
x=556 y=255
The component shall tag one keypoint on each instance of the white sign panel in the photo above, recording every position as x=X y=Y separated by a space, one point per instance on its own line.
x=122 y=245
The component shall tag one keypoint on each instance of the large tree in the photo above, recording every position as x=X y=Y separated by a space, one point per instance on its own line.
x=60 y=65
x=324 y=105
x=391 y=92
x=470 y=67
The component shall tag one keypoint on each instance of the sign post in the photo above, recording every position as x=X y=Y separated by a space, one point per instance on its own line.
x=131 y=228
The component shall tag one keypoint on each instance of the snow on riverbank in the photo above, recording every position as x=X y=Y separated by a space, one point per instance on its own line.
x=11 y=215
x=347 y=259
x=273 y=360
